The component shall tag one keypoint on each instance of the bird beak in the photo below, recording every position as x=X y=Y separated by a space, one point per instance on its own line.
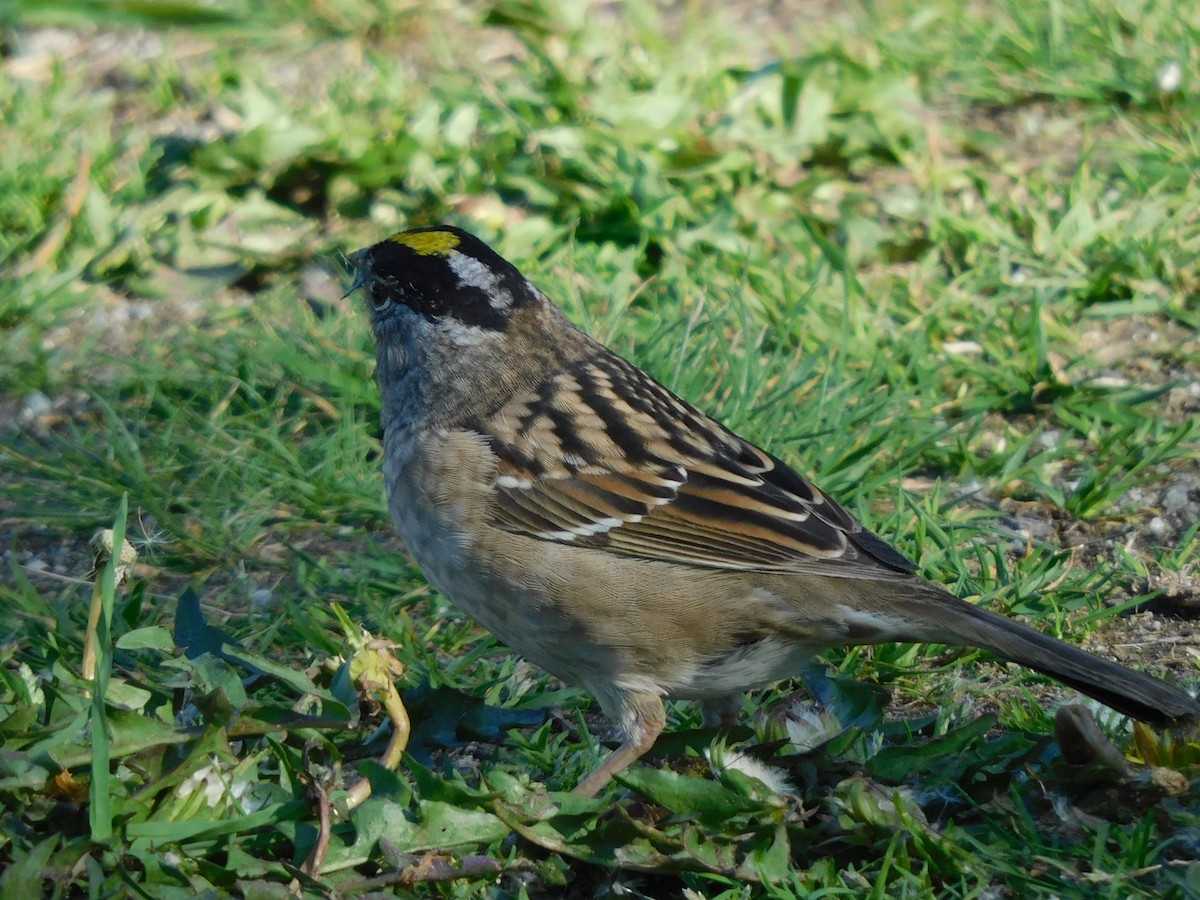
x=354 y=263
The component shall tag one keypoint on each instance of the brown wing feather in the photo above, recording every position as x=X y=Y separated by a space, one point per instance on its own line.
x=603 y=456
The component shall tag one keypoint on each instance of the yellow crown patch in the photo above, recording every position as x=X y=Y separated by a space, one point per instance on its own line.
x=427 y=243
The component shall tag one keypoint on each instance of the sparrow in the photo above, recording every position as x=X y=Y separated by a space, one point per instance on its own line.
x=615 y=535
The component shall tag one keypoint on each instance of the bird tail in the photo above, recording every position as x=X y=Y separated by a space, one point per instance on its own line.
x=950 y=620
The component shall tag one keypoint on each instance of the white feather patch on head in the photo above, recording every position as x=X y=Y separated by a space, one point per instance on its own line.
x=473 y=273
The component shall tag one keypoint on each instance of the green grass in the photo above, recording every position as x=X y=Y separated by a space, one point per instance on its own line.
x=945 y=259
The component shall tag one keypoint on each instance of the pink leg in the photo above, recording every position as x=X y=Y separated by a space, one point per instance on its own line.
x=642 y=723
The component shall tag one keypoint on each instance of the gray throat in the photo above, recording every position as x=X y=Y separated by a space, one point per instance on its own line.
x=398 y=366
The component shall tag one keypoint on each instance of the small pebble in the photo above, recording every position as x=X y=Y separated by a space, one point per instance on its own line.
x=1175 y=499
x=36 y=404
x=1170 y=77
x=1158 y=526
x=1050 y=438
x=262 y=598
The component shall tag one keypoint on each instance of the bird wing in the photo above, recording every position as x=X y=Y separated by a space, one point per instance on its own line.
x=601 y=455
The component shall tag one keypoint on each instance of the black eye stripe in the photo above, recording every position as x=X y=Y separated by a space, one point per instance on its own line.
x=428 y=283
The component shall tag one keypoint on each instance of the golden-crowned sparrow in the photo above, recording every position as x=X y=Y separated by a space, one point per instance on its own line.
x=617 y=536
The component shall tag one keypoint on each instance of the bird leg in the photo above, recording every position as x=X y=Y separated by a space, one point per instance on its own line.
x=722 y=712
x=642 y=723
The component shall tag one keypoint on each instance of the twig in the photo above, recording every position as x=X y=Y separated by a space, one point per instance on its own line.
x=316 y=859
x=430 y=868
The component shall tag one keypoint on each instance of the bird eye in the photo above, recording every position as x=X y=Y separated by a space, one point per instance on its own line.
x=379 y=296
